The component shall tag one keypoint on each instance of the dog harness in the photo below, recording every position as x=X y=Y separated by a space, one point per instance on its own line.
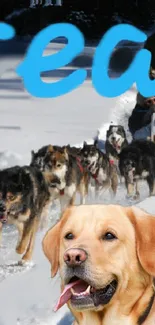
x=146 y=312
x=111 y=162
x=96 y=174
x=79 y=164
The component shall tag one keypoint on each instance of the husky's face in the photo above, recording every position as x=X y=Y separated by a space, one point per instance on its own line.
x=58 y=165
x=90 y=155
x=15 y=190
x=116 y=136
x=42 y=158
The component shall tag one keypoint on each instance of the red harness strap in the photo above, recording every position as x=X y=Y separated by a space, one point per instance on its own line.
x=79 y=164
x=95 y=177
x=111 y=162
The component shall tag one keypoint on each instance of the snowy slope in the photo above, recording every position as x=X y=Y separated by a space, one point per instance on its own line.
x=28 y=294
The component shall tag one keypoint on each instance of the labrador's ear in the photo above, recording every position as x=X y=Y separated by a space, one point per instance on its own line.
x=51 y=242
x=144 y=225
x=51 y=246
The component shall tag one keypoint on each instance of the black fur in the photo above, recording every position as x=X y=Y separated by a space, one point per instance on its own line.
x=74 y=151
x=88 y=151
x=99 y=167
x=29 y=183
x=42 y=157
x=38 y=158
x=139 y=156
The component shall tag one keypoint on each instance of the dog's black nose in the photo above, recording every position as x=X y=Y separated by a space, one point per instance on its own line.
x=75 y=257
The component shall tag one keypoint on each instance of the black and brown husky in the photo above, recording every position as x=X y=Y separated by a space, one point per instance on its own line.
x=137 y=162
x=73 y=178
x=24 y=195
x=101 y=170
x=115 y=141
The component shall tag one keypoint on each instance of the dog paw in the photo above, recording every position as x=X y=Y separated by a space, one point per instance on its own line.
x=136 y=196
x=129 y=196
x=21 y=263
x=25 y=263
x=20 y=249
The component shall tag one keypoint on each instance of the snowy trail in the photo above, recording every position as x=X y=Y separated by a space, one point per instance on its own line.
x=28 y=294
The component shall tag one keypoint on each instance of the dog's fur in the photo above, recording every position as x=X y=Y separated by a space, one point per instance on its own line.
x=100 y=169
x=24 y=196
x=137 y=161
x=71 y=174
x=38 y=159
x=115 y=141
x=102 y=245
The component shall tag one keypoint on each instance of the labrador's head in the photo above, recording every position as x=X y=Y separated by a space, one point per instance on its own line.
x=103 y=253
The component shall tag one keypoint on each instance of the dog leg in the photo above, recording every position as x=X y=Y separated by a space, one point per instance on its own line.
x=72 y=200
x=62 y=204
x=151 y=183
x=130 y=189
x=83 y=193
x=97 y=192
x=20 y=227
x=27 y=227
x=114 y=183
x=28 y=254
x=137 y=195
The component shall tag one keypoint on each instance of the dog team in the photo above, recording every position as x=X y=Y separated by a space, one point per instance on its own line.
x=59 y=173
x=119 y=288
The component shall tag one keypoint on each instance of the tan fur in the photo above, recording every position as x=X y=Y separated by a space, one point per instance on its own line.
x=114 y=179
x=130 y=189
x=130 y=258
x=27 y=229
x=50 y=148
x=26 y=244
x=58 y=160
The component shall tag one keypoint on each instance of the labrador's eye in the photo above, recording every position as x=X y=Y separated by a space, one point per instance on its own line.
x=69 y=236
x=58 y=165
x=109 y=236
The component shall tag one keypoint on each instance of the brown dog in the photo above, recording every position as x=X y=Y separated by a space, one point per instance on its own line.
x=106 y=257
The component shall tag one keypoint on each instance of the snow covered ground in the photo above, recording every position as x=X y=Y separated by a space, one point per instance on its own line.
x=28 y=294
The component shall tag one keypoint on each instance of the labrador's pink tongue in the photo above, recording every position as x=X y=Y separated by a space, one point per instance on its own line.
x=66 y=295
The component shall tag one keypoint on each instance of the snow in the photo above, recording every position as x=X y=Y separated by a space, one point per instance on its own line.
x=28 y=294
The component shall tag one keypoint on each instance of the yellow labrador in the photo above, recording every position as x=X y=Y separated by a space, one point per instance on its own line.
x=106 y=259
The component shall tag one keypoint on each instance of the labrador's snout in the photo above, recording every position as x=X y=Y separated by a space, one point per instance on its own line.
x=75 y=257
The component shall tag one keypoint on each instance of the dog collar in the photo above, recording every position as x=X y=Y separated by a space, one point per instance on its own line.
x=111 y=162
x=95 y=177
x=146 y=312
x=79 y=164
